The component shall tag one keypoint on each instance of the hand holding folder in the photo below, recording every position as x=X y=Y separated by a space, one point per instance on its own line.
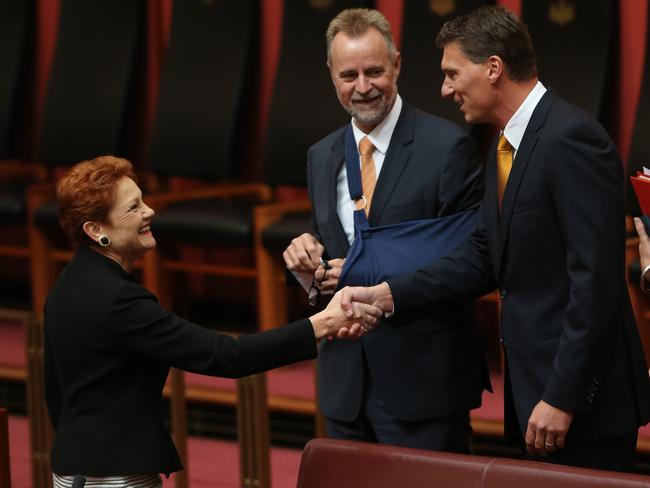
x=641 y=185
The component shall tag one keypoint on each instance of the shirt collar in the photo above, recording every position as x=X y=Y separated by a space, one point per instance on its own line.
x=516 y=126
x=380 y=136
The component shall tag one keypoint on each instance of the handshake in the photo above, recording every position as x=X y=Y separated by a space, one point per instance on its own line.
x=353 y=312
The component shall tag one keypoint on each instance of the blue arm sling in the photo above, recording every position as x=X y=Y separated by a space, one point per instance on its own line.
x=382 y=252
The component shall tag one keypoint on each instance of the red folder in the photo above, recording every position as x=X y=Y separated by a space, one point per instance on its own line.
x=641 y=185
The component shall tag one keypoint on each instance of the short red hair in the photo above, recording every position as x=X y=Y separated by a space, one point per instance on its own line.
x=87 y=192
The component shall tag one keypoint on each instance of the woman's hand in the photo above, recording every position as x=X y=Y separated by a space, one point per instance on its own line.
x=333 y=321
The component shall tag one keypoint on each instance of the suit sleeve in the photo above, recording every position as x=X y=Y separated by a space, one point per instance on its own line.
x=461 y=182
x=584 y=177
x=467 y=273
x=142 y=324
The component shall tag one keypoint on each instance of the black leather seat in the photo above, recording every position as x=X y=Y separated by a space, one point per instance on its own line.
x=421 y=79
x=88 y=109
x=13 y=208
x=573 y=43
x=198 y=131
x=16 y=71
x=205 y=222
x=278 y=236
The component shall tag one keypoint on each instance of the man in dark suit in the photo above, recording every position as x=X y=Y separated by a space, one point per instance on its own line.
x=412 y=381
x=552 y=240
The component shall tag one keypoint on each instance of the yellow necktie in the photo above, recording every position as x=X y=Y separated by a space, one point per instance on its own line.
x=368 y=172
x=504 y=165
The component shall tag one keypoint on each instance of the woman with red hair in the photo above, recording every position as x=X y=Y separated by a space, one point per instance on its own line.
x=109 y=344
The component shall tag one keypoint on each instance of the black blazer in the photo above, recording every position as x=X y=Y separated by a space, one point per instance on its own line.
x=425 y=365
x=108 y=349
x=557 y=254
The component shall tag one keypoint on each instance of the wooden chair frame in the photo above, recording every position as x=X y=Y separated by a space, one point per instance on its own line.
x=5 y=471
x=271 y=287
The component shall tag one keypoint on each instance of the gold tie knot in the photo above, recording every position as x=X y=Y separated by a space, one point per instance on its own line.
x=503 y=144
x=366 y=147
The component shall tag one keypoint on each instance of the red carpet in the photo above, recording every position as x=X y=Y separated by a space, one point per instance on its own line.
x=213 y=463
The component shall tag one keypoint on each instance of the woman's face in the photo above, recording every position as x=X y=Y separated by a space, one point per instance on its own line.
x=128 y=224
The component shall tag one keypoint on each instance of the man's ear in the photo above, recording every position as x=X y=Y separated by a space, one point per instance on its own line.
x=496 y=68
x=92 y=230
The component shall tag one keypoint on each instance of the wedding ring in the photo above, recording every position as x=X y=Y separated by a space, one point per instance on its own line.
x=547 y=445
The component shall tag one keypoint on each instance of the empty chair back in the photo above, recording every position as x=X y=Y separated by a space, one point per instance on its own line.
x=573 y=44
x=206 y=72
x=88 y=93
x=15 y=27
x=421 y=78
x=304 y=107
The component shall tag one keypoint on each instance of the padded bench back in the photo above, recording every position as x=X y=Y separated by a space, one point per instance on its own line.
x=421 y=78
x=204 y=82
x=345 y=464
x=304 y=107
x=88 y=107
x=15 y=26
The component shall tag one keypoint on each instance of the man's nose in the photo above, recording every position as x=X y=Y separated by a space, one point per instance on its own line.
x=363 y=85
x=446 y=90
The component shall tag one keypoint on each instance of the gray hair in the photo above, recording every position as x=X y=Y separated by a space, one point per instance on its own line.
x=355 y=22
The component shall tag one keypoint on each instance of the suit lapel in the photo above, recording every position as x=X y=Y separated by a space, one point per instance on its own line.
x=519 y=165
x=397 y=158
x=334 y=164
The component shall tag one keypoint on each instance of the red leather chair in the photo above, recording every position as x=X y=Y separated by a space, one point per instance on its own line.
x=345 y=464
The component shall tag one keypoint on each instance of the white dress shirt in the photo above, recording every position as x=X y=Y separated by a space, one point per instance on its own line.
x=516 y=126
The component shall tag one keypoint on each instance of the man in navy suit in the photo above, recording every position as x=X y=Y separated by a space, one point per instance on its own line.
x=552 y=239
x=412 y=381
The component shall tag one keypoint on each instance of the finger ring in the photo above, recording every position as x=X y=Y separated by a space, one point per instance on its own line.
x=325 y=264
x=364 y=328
x=546 y=444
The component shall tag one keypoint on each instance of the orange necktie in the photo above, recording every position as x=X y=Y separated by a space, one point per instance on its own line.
x=504 y=165
x=368 y=172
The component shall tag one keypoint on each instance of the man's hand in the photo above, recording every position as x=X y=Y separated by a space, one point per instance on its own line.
x=303 y=254
x=302 y=257
x=378 y=295
x=328 y=278
x=644 y=242
x=547 y=429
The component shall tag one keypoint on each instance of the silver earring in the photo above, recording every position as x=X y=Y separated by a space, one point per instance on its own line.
x=104 y=240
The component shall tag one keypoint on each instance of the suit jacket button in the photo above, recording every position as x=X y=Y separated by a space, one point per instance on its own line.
x=504 y=294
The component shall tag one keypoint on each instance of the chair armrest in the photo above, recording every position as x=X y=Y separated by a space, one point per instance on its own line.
x=265 y=215
x=226 y=190
x=14 y=169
